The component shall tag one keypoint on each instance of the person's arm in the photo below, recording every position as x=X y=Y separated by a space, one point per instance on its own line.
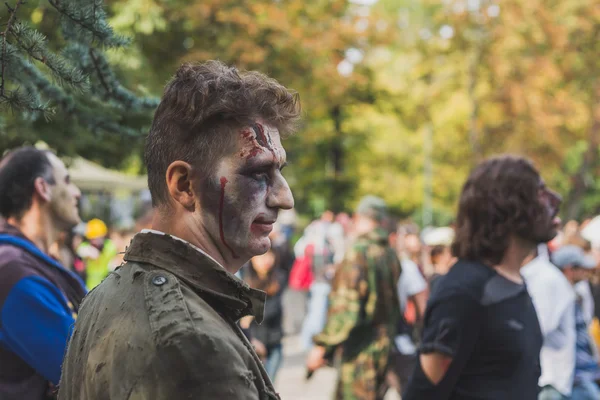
x=565 y=330
x=413 y=286
x=555 y=317
x=36 y=325
x=420 y=300
x=346 y=299
x=449 y=337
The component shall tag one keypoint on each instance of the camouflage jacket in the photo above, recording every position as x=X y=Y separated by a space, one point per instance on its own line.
x=364 y=296
x=162 y=327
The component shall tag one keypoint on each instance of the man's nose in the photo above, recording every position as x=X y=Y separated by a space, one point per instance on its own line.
x=76 y=192
x=280 y=196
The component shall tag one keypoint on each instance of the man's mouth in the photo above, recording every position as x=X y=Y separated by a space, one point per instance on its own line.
x=263 y=225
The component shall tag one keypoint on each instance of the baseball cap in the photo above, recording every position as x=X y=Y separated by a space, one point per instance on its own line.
x=571 y=255
x=442 y=236
x=373 y=207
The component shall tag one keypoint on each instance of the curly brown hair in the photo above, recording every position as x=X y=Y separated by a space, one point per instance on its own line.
x=500 y=199
x=201 y=106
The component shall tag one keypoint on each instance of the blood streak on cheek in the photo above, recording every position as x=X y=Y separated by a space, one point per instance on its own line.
x=221 y=204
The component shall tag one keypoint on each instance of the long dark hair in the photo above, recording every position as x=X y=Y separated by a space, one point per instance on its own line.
x=499 y=200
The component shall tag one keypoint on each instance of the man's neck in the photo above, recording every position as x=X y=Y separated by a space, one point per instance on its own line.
x=36 y=227
x=512 y=262
x=193 y=234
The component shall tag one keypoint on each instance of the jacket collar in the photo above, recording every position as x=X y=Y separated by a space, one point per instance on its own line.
x=199 y=270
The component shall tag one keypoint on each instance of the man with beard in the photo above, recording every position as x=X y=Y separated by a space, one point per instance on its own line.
x=481 y=337
x=163 y=325
x=39 y=298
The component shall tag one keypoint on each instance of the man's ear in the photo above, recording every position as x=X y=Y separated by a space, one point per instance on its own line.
x=179 y=184
x=42 y=189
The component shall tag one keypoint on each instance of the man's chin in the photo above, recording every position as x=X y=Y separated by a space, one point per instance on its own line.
x=548 y=236
x=260 y=246
x=70 y=223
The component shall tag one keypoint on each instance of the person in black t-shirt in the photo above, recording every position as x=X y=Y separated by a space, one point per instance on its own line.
x=481 y=337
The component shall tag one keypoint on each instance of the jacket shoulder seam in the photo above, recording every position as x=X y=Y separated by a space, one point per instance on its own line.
x=168 y=292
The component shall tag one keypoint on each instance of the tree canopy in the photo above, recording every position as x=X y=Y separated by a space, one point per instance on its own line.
x=56 y=83
x=400 y=98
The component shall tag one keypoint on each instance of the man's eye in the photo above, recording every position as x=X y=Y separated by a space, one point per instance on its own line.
x=260 y=176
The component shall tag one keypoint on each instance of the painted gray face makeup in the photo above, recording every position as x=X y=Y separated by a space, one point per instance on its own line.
x=248 y=191
x=258 y=140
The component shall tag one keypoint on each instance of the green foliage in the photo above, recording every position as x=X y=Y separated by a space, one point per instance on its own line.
x=65 y=83
x=389 y=91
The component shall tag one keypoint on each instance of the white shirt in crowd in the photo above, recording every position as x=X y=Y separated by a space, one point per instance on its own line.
x=411 y=282
x=554 y=301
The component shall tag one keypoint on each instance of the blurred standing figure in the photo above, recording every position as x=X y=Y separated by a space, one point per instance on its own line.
x=439 y=240
x=364 y=310
x=574 y=264
x=482 y=338
x=413 y=249
x=97 y=252
x=317 y=236
x=584 y=287
x=412 y=295
x=554 y=300
x=163 y=326
x=39 y=298
x=265 y=273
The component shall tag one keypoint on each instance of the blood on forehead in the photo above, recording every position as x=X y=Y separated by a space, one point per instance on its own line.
x=258 y=140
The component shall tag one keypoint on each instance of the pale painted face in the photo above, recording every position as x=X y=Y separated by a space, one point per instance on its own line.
x=247 y=191
x=65 y=196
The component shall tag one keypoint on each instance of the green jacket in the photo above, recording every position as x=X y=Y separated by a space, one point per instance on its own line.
x=364 y=298
x=163 y=327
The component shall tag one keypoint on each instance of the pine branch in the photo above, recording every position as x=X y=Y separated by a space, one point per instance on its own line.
x=114 y=89
x=99 y=73
x=99 y=125
x=29 y=89
x=105 y=84
x=11 y=20
x=34 y=43
x=28 y=71
x=90 y=21
x=19 y=100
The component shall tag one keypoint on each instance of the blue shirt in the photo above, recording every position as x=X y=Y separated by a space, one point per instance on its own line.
x=586 y=363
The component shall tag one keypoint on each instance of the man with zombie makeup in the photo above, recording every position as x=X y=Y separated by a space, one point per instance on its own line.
x=481 y=336
x=364 y=310
x=163 y=325
x=39 y=298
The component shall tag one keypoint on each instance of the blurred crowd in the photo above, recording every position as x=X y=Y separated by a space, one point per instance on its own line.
x=296 y=274
x=93 y=249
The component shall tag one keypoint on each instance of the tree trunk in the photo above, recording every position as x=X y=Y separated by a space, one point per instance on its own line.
x=590 y=160
x=474 y=135
x=338 y=192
